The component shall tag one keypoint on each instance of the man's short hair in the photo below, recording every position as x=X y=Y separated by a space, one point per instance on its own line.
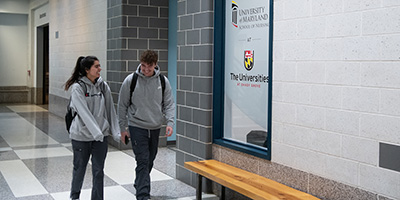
x=149 y=57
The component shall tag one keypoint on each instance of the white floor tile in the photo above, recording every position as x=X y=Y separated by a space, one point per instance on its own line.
x=156 y=175
x=5 y=149
x=43 y=152
x=121 y=168
x=14 y=171
x=117 y=193
x=26 y=108
x=18 y=132
x=110 y=193
x=8 y=124
x=67 y=144
x=27 y=138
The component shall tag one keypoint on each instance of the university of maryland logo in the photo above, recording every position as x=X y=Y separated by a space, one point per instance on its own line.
x=234 y=14
x=248 y=59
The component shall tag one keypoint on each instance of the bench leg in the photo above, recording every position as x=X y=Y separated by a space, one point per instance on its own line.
x=199 y=185
x=222 y=197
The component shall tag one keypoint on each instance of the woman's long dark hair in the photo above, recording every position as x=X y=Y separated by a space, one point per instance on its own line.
x=82 y=64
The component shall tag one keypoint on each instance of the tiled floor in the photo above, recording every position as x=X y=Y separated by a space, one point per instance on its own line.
x=36 y=162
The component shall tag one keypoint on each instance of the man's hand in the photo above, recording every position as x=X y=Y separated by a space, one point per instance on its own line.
x=123 y=134
x=168 y=131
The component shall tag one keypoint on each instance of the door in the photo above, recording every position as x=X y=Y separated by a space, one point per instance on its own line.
x=42 y=65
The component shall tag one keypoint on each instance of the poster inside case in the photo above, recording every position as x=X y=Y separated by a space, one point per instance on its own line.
x=246 y=71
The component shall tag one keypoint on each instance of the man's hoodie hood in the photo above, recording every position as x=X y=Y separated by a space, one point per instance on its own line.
x=156 y=72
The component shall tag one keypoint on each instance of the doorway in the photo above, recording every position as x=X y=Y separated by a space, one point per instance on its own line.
x=43 y=74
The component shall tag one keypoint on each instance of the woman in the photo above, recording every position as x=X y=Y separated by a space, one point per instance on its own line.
x=95 y=120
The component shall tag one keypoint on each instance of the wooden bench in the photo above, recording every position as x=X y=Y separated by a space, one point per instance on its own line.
x=249 y=184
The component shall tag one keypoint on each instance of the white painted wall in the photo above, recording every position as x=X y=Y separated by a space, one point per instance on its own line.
x=40 y=16
x=13 y=49
x=82 y=29
x=13 y=42
x=18 y=41
x=36 y=7
x=14 y=6
x=336 y=89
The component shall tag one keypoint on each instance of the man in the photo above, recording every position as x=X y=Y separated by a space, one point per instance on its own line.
x=143 y=112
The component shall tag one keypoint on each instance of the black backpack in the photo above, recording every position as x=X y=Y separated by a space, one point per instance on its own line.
x=70 y=115
x=133 y=85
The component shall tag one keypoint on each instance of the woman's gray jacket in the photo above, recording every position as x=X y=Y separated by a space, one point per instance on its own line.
x=96 y=116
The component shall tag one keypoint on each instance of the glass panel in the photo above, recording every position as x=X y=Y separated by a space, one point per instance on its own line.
x=246 y=71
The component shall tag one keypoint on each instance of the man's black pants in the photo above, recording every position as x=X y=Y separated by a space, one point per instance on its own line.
x=145 y=145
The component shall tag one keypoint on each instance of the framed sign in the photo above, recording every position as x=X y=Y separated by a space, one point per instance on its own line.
x=243 y=64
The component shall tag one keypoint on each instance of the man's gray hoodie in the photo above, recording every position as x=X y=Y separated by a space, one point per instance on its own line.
x=96 y=116
x=146 y=110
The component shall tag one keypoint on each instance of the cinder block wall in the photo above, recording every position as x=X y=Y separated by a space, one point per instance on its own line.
x=335 y=94
x=194 y=92
x=133 y=27
x=81 y=29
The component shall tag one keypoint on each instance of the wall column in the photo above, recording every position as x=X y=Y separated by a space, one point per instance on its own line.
x=194 y=92
x=132 y=27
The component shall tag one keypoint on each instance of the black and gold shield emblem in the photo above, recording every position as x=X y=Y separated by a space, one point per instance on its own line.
x=234 y=14
x=248 y=59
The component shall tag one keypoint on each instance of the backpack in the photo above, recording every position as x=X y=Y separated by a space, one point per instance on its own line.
x=70 y=115
x=133 y=85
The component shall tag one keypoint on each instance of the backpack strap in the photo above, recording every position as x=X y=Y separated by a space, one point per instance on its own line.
x=69 y=110
x=162 y=80
x=103 y=88
x=83 y=85
x=133 y=85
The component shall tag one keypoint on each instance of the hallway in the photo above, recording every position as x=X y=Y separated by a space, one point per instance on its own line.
x=36 y=162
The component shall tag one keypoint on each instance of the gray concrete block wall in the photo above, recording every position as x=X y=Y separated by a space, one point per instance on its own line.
x=194 y=92
x=134 y=26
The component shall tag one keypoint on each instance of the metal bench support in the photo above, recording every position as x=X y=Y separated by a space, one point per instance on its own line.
x=199 y=185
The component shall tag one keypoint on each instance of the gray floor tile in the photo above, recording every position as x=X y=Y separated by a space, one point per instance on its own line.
x=165 y=161
x=111 y=148
x=5 y=191
x=37 y=146
x=55 y=174
x=37 y=197
x=8 y=155
x=3 y=143
x=4 y=109
x=171 y=189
